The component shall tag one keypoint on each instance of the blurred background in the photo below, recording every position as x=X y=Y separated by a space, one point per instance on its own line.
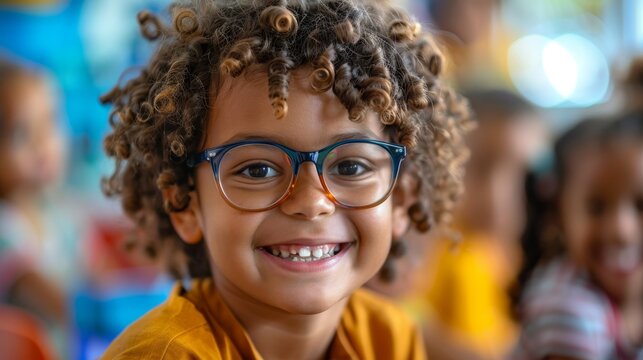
x=560 y=60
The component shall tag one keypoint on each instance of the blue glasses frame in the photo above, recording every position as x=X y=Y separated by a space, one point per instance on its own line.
x=297 y=158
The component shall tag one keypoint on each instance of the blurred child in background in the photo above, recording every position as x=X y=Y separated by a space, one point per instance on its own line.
x=37 y=234
x=584 y=300
x=458 y=290
x=467 y=282
x=476 y=43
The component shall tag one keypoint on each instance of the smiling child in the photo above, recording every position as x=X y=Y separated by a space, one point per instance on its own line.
x=272 y=151
x=586 y=301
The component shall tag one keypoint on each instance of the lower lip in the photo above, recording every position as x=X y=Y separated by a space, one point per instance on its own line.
x=307 y=266
x=623 y=272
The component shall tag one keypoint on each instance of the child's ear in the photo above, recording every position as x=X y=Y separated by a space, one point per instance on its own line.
x=185 y=222
x=404 y=195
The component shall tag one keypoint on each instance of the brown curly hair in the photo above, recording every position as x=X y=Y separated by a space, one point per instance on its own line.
x=370 y=55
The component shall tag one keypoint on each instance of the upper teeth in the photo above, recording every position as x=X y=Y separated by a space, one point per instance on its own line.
x=622 y=259
x=304 y=253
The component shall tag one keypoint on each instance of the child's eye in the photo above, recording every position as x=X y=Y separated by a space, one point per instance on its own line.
x=259 y=171
x=639 y=204
x=349 y=168
x=595 y=207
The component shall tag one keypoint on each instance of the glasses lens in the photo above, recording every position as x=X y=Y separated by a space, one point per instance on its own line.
x=255 y=176
x=358 y=174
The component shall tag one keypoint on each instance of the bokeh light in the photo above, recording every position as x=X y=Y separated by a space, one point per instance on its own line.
x=566 y=71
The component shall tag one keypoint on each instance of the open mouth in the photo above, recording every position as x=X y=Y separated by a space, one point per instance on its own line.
x=305 y=253
x=621 y=260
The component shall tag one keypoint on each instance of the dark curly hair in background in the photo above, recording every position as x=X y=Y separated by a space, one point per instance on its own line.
x=371 y=56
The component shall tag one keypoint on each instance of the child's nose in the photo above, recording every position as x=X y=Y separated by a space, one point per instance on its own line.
x=308 y=199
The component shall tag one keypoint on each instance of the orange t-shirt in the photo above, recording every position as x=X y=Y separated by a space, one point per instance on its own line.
x=197 y=324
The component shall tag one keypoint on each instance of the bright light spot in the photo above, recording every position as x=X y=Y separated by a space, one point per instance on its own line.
x=560 y=68
x=637 y=14
x=593 y=70
x=566 y=71
x=527 y=71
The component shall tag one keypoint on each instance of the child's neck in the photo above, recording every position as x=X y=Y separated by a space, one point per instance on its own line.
x=277 y=334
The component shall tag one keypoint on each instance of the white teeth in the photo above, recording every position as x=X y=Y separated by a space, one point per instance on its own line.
x=628 y=259
x=622 y=259
x=304 y=252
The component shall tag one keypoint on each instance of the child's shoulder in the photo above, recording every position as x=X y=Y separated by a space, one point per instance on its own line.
x=561 y=289
x=175 y=329
x=559 y=278
x=564 y=313
x=185 y=328
x=364 y=305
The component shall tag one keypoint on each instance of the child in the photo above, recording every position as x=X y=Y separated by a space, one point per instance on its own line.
x=37 y=238
x=466 y=284
x=588 y=302
x=267 y=137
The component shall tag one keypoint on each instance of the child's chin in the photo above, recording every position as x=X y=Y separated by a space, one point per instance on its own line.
x=617 y=285
x=308 y=305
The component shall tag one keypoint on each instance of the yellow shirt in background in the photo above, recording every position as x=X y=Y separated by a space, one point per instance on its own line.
x=197 y=324
x=468 y=293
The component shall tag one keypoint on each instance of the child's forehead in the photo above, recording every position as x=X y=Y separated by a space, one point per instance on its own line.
x=595 y=162
x=16 y=89
x=249 y=91
x=257 y=75
x=580 y=158
x=626 y=153
x=242 y=106
x=617 y=171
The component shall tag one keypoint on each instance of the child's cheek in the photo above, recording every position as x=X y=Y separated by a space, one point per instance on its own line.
x=374 y=225
x=232 y=227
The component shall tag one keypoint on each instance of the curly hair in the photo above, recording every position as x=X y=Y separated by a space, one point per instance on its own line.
x=371 y=57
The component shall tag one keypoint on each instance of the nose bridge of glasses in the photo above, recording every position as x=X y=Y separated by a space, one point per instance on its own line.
x=303 y=157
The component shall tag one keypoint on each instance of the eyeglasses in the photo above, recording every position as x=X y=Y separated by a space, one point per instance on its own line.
x=259 y=175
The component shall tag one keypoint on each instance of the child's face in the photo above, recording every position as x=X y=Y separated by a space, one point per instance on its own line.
x=493 y=202
x=240 y=242
x=602 y=214
x=31 y=145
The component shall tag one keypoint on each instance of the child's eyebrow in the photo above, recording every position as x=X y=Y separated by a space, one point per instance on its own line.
x=363 y=134
x=366 y=134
